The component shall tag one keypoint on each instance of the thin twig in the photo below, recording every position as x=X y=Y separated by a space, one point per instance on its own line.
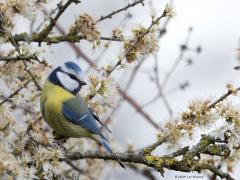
x=15 y=93
x=179 y=152
x=224 y=96
x=139 y=109
x=162 y=33
x=44 y=33
x=149 y=149
x=14 y=43
x=216 y=171
x=127 y=87
x=32 y=76
x=154 y=22
x=165 y=101
x=75 y=167
x=178 y=60
x=119 y=10
x=151 y=101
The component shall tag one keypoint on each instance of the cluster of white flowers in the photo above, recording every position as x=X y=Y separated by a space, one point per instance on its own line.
x=28 y=9
x=10 y=72
x=104 y=90
x=141 y=44
x=12 y=142
x=169 y=12
x=85 y=26
x=232 y=88
x=117 y=33
x=24 y=159
x=231 y=113
x=198 y=112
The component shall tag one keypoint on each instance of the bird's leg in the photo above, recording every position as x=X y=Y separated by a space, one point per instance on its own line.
x=59 y=139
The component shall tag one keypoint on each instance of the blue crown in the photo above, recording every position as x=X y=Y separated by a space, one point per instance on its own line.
x=73 y=66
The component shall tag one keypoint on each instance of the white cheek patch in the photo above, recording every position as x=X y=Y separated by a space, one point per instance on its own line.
x=67 y=82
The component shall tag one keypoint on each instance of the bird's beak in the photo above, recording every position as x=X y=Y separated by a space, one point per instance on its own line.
x=83 y=83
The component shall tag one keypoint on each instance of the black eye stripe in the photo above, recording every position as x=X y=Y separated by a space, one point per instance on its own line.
x=73 y=77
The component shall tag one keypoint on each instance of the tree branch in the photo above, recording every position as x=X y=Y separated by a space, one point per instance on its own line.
x=57 y=39
x=138 y=108
x=154 y=22
x=23 y=58
x=18 y=58
x=44 y=33
x=187 y=164
x=216 y=171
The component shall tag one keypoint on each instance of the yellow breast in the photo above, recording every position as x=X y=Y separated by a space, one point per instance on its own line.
x=52 y=99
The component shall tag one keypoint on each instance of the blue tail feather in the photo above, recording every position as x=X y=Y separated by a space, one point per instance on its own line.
x=106 y=145
x=109 y=150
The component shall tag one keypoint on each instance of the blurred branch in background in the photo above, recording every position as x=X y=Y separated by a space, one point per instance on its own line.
x=184 y=48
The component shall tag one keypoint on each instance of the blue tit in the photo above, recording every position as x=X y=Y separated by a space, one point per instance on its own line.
x=65 y=111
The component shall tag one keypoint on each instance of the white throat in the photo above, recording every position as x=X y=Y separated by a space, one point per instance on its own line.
x=67 y=82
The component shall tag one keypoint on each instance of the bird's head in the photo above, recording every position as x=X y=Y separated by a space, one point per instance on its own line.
x=68 y=76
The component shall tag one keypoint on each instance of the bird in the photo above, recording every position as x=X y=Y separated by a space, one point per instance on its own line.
x=65 y=111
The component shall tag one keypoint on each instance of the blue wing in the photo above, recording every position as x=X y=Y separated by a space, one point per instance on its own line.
x=76 y=111
x=98 y=119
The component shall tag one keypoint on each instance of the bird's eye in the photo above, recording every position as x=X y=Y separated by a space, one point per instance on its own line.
x=73 y=77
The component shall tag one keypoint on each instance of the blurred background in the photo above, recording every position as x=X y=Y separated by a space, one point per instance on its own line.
x=199 y=48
